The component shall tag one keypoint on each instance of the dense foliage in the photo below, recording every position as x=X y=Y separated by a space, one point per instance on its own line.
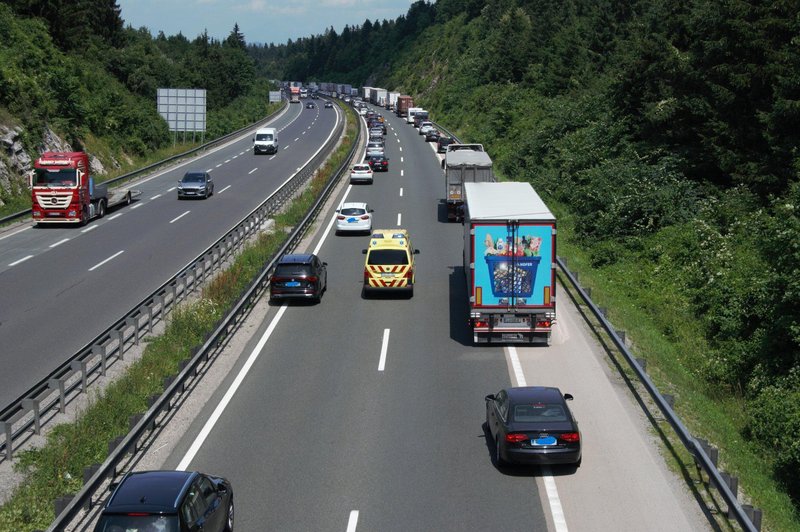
x=668 y=128
x=72 y=66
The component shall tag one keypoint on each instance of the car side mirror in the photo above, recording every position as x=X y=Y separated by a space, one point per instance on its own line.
x=416 y=252
x=490 y=397
x=372 y=210
x=221 y=488
x=363 y=251
x=568 y=397
x=324 y=263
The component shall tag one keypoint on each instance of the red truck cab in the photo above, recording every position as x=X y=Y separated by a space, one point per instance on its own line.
x=62 y=190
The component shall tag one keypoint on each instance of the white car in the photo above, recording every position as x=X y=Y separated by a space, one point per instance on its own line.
x=424 y=127
x=361 y=172
x=353 y=216
x=362 y=111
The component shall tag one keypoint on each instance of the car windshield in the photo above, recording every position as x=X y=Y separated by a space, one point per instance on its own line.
x=352 y=211
x=387 y=256
x=264 y=136
x=138 y=523
x=289 y=270
x=538 y=413
x=51 y=177
x=193 y=178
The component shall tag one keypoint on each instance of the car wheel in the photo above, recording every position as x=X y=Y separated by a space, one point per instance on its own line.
x=498 y=459
x=229 y=518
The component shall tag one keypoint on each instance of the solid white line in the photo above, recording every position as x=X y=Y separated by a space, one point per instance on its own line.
x=401 y=192
x=137 y=206
x=223 y=404
x=179 y=217
x=224 y=189
x=114 y=217
x=559 y=520
x=251 y=171
x=399 y=215
x=23 y=259
x=384 y=349
x=352 y=521
x=117 y=254
x=59 y=242
x=156 y=196
x=90 y=228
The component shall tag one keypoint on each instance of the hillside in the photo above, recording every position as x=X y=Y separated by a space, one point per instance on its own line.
x=665 y=136
x=93 y=86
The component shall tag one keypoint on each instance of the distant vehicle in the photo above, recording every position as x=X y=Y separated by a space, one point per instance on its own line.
x=299 y=276
x=172 y=501
x=442 y=142
x=294 y=94
x=361 y=172
x=424 y=127
x=403 y=104
x=378 y=163
x=371 y=152
x=310 y=105
x=376 y=132
x=353 y=216
x=362 y=111
x=463 y=163
x=432 y=135
x=376 y=143
x=533 y=425
x=420 y=117
x=195 y=185
x=265 y=141
x=389 y=266
x=328 y=105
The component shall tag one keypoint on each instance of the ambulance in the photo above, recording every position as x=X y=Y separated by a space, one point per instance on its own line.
x=389 y=266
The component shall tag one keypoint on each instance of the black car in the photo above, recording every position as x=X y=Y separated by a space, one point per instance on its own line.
x=328 y=105
x=310 y=105
x=378 y=163
x=300 y=276
x=172 y=501
x=442 y=143
x=432 y=135
x=533 y=425
x=195 y=185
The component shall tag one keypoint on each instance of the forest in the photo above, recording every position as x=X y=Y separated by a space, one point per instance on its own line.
x=94 y=83
x=667 y=132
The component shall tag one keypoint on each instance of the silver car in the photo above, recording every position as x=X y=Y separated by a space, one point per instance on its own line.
x=195 y=185
x=353 y=216
x=361 y=172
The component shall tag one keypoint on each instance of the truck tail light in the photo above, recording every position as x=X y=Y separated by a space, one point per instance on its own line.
x=544 y=323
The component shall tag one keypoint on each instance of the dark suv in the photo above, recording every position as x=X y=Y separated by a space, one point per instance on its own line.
x=302 y=276
x=169 y=501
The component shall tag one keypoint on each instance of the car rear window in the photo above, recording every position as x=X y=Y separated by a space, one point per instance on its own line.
x=352 y=212
x=538 y=412
x=138 y=523
x=387 y=256
x=361 y=167
x=288 y=270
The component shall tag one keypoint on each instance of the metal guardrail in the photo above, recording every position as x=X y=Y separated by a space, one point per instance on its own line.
x=746 y=516
x=146 y=169
x=49 y=396
x=141 y=426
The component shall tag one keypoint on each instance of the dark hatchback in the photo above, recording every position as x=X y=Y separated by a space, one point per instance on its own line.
x=378 y=163
x=169 y=501
x=533 y=425
x=300 y=276
x=442 y=143
x=432 y=135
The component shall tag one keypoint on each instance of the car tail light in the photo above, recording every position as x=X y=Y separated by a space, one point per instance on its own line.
x=340 y=217
x=366 y=275
x=365 y=217
x=570 y=437
x=516 y=437
x=312 y=279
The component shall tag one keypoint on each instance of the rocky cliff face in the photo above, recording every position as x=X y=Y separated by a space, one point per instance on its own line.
x=15 y=162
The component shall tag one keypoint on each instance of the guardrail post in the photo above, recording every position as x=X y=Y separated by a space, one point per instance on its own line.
x=58 y=384
x=603 y=311
x=99 y=350
x=150 y=319
x=588 y=292
x=173 y=289
x=621 y=335
x=80 y=365
x=670 y=399
x=61 y=503
x=133 y=322
x=33 y=406
x=731 y=481
x=8 y=429
x=754 y=514
x=642 y=364
x=88 y=473
x=121 y=342
x=113 y=444
x=711 y=451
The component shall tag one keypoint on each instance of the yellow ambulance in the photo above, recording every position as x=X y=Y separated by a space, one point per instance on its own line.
x=389 y=266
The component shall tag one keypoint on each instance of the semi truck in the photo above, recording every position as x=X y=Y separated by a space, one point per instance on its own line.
x=62 y=191
x=294 y=94
x=404 y=103
x=509 y=263
x=391 y=103
x=463 y=163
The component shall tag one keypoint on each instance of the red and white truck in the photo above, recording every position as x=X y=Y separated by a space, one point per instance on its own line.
x=62 y=191
x=509 y=263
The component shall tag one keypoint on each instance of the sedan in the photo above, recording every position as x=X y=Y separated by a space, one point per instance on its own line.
x=424 y=127
x=298 y=276
x=353 y=216
x=361 y=172
x=533 y=425
x=328 y=105
x=432 y=135
x=378 y=163
x=442 y=143
x=310 y=105
x=195 y=185
x=170 y=501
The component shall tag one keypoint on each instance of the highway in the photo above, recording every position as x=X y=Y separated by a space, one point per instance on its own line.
x=367 y=415
x=61 y=286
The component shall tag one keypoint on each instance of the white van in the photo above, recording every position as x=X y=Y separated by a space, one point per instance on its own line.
x=265 y=141
x=410 y=114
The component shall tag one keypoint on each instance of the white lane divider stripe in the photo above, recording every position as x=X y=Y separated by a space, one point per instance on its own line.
x=171 y=189
x=352 y=521
x=179 y=217
x=23 y=259
x=90 y=228
x=384 y=349
x=227 y=161
x=401 y=192
x=156 y=196
x=224 y=189
x=115 y=255
x=251 y=171
x=402 y=172
x=137 y=206
x=399 y=217
x=298 y=138
x=115 y=216
x=272 y=157
x=210 y=170
x=59 y=242
x=220 y=164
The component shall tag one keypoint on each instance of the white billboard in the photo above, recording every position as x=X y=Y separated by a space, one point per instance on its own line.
x=183 y=109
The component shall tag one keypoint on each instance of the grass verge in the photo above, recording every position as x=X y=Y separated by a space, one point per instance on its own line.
x=57 y=468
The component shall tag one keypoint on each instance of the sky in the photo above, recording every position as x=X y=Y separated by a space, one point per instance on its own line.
x=261 y=21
